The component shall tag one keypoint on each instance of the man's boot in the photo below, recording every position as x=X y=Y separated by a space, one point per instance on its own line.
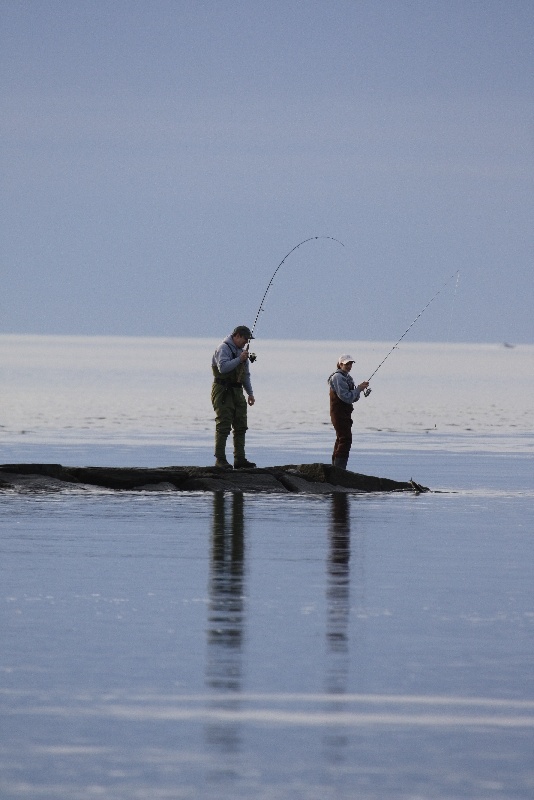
x=240 y=460
x=222 y=463
x=220 y=451
x=244 y=464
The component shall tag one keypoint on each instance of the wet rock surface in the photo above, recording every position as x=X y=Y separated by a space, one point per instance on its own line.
x=297 y=479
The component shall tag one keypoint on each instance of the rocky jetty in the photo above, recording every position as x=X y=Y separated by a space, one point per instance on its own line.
x=291 y=478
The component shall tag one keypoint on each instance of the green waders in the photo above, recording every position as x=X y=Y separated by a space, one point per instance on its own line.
x=230 y=406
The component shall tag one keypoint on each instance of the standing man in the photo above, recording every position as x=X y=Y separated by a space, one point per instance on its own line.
x=343 y=393
x=231 y=374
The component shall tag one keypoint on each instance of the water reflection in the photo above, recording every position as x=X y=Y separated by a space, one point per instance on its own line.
x=338 y=605
x=226 y=616
x=338 y=594
x=226 y=628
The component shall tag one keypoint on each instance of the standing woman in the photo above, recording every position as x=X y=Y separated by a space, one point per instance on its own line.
x=343 y=393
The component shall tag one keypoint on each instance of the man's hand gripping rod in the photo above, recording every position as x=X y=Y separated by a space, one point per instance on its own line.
x=251 y=356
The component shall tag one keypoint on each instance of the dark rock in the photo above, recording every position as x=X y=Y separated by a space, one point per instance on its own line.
x=291 y=478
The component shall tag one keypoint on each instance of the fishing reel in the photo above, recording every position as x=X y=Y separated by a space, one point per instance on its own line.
x=252 y=357
x=367 y=392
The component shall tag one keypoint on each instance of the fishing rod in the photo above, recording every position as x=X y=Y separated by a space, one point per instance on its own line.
x=252 y=356
x=456 y=274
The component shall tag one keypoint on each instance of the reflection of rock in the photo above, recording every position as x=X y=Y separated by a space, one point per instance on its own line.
x=303 y=479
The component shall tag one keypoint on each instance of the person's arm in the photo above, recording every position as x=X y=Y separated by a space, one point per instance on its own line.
x=225 y=359
x=247 y=384
x=340 y=386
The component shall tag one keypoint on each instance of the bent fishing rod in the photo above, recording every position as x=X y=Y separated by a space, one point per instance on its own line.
x=252 y=356
x=456 y=274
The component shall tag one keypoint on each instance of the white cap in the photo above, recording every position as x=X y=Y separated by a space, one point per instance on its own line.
x=345 y=359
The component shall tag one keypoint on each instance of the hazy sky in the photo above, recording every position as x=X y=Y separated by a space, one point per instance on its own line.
x=159 y=159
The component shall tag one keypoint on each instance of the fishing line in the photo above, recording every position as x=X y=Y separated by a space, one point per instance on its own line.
x=453 y=304
x=367 y=391
x=260 y=309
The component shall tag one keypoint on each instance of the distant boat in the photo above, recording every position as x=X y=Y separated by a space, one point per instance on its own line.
x=507 y=344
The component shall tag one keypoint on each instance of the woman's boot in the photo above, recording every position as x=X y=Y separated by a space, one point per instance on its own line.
x=341 y=462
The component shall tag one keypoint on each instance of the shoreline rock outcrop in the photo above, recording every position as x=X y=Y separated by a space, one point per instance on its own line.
x=289 y=479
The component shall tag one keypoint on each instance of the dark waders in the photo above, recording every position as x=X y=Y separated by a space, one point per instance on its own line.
x=230 y=406
x=341 y=416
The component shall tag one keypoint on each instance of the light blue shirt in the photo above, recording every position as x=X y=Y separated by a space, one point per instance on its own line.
x=342 y=384
x=226 y=358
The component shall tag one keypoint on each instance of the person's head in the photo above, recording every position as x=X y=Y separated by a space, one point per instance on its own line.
x=241 y=335
x=345 y=362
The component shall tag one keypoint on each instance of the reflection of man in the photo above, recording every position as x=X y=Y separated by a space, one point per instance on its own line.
x=226 y=590
x=226 y=621
x=231 y=374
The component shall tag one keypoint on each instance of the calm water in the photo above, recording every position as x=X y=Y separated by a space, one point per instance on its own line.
x=220 y=646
